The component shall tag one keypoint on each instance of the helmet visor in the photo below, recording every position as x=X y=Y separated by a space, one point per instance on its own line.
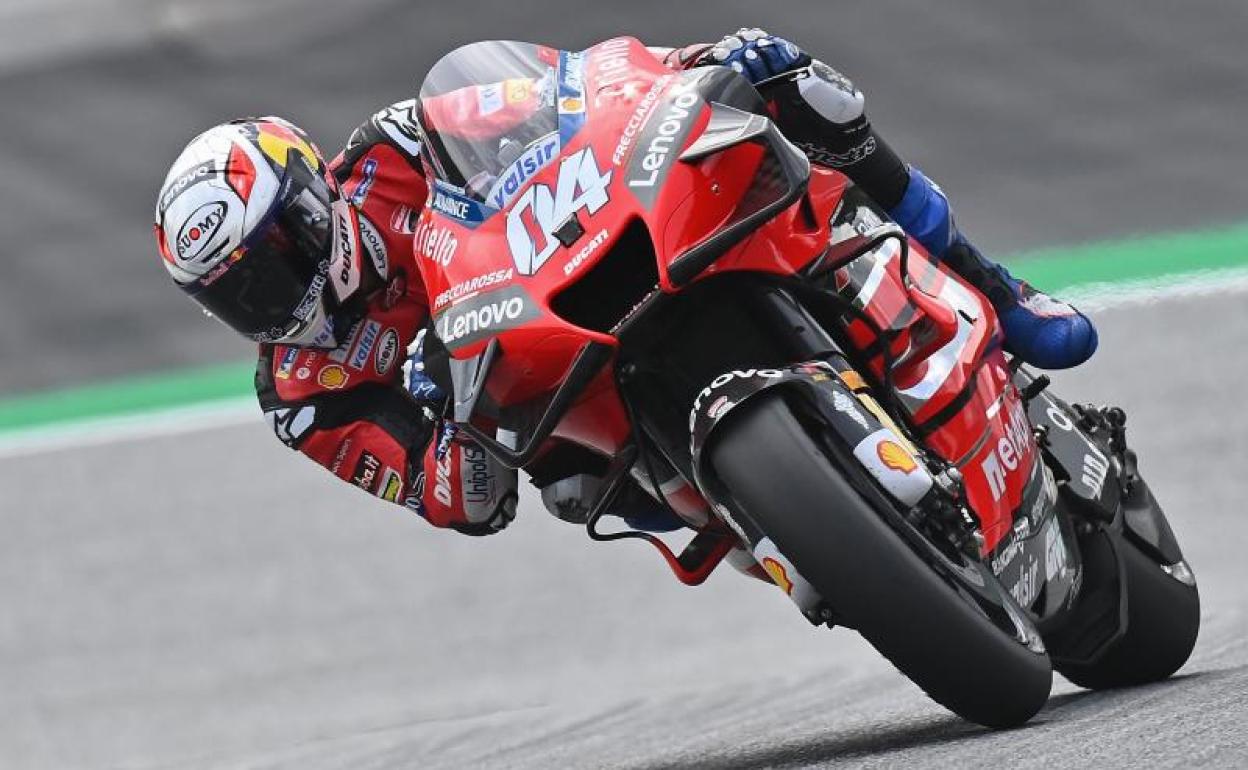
x=270 y=286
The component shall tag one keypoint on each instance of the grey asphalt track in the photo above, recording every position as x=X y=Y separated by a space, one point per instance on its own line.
x=1048 y=123
x=165 y=605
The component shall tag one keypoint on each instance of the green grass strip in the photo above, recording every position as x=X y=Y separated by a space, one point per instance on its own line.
x=1134 y=259
x=1055 y=270
x=132 y=395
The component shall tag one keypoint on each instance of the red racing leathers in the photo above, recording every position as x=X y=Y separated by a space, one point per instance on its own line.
x=348 y=408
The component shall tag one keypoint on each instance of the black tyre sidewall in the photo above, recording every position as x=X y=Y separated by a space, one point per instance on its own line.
x=1163 y=622
x=782 y=481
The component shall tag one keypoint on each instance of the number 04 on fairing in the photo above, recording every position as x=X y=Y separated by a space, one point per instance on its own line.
x=639 y=278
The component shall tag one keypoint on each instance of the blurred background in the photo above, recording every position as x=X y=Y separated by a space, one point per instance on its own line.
x=1047 y=124
x=211 y=600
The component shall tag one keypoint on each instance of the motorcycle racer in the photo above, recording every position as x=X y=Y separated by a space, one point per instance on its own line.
x=318 y=263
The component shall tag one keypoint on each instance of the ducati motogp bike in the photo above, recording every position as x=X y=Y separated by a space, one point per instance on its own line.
x=640 y=282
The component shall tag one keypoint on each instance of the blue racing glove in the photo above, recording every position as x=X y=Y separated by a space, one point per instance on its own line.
x=418 y=383
x=756 y=54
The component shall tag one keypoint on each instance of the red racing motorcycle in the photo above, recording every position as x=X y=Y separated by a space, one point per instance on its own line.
x=638 y=280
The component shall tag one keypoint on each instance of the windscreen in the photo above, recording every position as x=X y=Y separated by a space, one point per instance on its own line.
x=490 y=113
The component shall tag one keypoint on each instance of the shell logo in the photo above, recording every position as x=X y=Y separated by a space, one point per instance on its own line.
x=779 y=575
x=895 y=457
x=332 y=377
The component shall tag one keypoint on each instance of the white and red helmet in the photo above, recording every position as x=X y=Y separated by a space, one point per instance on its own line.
x=250 y=224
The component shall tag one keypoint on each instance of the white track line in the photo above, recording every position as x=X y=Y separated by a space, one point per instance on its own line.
x=1093 y=298
x=1097 y=297
x=135 y=427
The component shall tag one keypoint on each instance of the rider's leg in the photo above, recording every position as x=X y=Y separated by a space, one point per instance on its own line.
x=1038 y=328
x=824 y=115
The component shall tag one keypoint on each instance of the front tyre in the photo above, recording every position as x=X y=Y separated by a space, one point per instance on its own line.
x=782 y=480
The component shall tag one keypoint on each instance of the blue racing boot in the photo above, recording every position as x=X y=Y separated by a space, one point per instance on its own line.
x=1038 y=329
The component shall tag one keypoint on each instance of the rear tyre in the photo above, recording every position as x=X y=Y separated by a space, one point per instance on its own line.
x=781 y=480
x=1163 y=620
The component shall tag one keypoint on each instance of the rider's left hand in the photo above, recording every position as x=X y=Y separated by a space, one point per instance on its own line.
x=756 y=54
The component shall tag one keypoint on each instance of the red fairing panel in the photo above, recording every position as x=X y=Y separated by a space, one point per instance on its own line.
x=949 y=373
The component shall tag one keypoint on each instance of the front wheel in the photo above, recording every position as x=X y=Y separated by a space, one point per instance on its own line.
x=834 y=531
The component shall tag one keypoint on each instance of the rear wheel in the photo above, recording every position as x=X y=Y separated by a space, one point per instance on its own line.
x=948 y=628
x=1163 y=619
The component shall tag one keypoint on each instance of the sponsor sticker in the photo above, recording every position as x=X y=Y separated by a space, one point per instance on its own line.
x=477 y=483
x=375 y=247
x=535 y=158
x=585 y=253
x=364 y=345
x=194 y=174
x=342 y=270
x=449 y=204
x=472 y=286
x=517 y=90
x=718 y=407
x=387 y=352
x=287 y=363
x=339 y=354
x=311 y=300
x=779 y=574
x=725 y=378
x=1054 y=551
x=571 y=93
x=1011 y=450
x=452 y=202
x=785 y=575
x=391 y=486
x=638 y=120
x=489 y=99
x=848 y=406
x=403 y=220
x=661 y=141
x=366 y=474
x=339 y=456
x=540 y=210
x=483 y=316
x=885 y=458
x=435 y=243
x=199 y=231
x=895 y=457
x=612 y=65
x=367 y=173
x=333 y=377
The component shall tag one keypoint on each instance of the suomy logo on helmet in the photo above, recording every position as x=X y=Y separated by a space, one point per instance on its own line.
x=198 y=230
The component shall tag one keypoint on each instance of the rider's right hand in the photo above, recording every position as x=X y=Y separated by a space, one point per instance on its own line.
x=756 y=54
x=464 y=487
